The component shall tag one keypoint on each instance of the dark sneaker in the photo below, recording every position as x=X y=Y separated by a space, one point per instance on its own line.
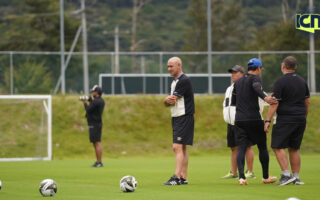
x=183 y=181
x=285 y=180
x=174 y=180
x=97 y=164
x=298 y=182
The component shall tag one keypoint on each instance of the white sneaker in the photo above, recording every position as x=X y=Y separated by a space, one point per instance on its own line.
x=243 y=181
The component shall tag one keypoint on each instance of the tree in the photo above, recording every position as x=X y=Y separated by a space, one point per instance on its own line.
x=37 y=28
x=227 y=32
x=281 y=37
x=30 y=77
x=196 y=34
x=137 y=5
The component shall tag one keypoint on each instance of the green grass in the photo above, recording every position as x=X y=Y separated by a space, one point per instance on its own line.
x=77 y=181
x=133 y=126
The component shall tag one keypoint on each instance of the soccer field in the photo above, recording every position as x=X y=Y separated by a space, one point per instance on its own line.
x=77 y=180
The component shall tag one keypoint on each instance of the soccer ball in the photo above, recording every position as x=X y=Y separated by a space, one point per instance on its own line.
x=128 y=184
x=0 y=185
x=48 y=187
x=292 y=198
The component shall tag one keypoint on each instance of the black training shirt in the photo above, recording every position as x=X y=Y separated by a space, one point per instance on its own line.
x=245 y=96
x=94 y=111
x=291 y=91
x=182 y=88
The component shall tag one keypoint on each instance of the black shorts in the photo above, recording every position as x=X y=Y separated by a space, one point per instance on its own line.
x=183 y=129
x=232 y=136
x=95 y=132
x=250 y=132
x=286 y=135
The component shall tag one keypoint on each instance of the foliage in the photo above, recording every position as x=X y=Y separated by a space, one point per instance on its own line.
x=162 y=25
x=36 y=27
x=30 y=77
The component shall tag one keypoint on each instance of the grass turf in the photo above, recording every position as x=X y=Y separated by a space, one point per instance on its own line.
x=76 y=180
x=136 y=125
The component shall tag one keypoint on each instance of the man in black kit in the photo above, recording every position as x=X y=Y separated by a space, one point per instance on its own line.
x=293 y=95
x=94 y=117
x=181 y=101
x=248 y=121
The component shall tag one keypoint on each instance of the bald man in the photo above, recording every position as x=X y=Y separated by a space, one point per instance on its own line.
x=181 y=102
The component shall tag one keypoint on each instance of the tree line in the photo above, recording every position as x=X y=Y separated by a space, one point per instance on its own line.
x=144 y=25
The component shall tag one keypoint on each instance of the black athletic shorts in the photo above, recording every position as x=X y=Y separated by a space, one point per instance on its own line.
x=95 y=132
x=232 y=136
x=183 y=129
x=250 y=132
x=286 y=135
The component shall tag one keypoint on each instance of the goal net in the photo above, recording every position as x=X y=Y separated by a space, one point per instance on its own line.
x=25 y=127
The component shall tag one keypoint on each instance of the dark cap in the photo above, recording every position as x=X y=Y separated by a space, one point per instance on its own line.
x=96 y=88
x=236 y=68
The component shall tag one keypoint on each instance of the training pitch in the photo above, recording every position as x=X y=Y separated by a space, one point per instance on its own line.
x=77 y=180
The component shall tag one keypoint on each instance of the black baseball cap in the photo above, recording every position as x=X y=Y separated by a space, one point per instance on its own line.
x=96 y=88
x=236 y=68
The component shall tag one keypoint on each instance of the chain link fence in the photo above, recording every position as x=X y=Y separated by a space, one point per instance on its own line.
x=39 y=72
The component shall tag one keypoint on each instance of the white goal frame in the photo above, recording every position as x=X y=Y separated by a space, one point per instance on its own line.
x=47 y=103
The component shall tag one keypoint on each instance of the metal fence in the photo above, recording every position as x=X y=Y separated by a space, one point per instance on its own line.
x=125 y=84
x=40 y=72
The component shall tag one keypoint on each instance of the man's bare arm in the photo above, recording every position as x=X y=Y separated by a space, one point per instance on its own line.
x=272 y=109
x=307 y=103
x=170 y=100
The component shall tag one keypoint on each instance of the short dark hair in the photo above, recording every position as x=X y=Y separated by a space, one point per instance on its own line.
x=290 y=62
x=252 y=68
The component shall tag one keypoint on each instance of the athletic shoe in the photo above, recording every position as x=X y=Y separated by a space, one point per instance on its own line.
x=298 y=182
x=173 y=181
x=97 y=164
x=271 y=179
x=286 y=180
x=230 y=175
x=243 y=181
x=249 y=175
x=183 y=181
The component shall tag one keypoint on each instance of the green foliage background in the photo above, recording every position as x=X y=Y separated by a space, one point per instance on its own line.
x=33 y=25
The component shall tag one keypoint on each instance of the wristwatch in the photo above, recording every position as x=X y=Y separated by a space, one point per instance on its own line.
x=267 y=121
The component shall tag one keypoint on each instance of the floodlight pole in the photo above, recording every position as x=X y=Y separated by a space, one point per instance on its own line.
x=11 y=73
x=312 y=59
x=85 y=49
x=209 y=43
x=116 y=50
x=63 y=86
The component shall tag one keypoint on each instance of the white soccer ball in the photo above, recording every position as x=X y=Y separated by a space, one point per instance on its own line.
x=48 y=187
x=292 y=198
x=128 y=184
x=0 y=185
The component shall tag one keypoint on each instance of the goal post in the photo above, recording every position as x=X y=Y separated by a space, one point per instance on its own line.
x=26 y=127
